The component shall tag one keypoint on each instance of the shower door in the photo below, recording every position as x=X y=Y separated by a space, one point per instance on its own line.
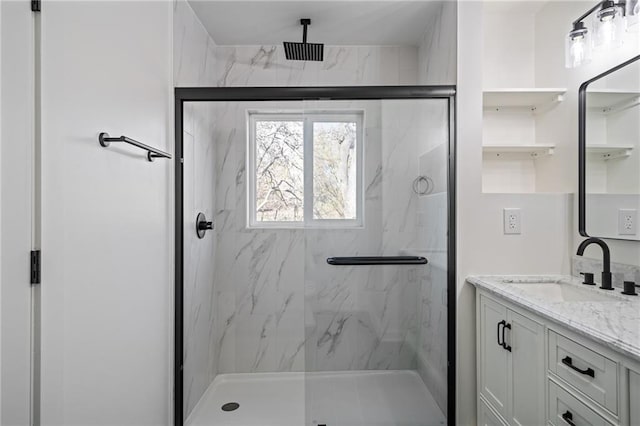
x=320 y=295
x=376 y=277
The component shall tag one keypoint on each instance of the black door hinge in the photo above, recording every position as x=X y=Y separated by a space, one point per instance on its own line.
x=35 y=5
x=35 y=267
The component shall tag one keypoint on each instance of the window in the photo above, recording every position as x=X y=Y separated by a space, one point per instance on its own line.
x=305 y=169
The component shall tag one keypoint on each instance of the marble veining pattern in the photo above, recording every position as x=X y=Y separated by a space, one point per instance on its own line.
x=194 y=66
x=614 y=323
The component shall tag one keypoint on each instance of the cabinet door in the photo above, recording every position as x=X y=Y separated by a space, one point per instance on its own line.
x=634 y=397
x=486 y=416
x=526 y=367
x=492 y=364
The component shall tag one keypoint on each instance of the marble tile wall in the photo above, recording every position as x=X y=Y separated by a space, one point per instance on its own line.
x=194 y=66
x=437 y=53
x=280 y=307
x=343 y=66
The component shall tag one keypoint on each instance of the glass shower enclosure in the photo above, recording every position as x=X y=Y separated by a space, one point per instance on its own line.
x=314 y=256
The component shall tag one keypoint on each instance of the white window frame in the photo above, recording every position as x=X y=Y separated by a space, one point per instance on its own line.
x=308 y=118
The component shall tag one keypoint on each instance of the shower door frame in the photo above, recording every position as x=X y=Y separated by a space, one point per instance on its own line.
x=244 y=94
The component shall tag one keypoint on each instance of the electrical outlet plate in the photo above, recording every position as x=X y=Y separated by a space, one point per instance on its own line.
x=512 y=221
x=627 y=221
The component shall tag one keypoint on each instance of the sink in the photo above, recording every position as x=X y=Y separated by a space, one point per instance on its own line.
x=563 y=292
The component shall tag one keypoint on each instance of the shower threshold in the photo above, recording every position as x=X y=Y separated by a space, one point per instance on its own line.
x=349 y=398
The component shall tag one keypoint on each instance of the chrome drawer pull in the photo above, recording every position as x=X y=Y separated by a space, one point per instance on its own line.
x=568 y=418
x=568 y=362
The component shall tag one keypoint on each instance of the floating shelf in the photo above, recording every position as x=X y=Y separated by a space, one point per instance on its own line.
x=528 y=99
x=535 y=150
x=611 y=101
x=609 y=152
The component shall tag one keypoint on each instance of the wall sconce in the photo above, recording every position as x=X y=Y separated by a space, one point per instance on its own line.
x=609 y=27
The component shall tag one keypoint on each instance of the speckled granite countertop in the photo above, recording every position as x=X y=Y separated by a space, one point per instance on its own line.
x=613 y=321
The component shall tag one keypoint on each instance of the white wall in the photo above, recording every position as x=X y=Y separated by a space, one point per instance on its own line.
x=544 y=244
x=107 y=214
x=16 y=166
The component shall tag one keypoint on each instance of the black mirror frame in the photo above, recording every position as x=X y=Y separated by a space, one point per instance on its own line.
x=582 y=147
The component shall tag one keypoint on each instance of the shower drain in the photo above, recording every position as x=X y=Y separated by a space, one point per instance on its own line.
x=230 y=406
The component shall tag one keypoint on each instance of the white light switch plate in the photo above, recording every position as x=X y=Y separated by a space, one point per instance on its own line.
x=512 y=221
x=627 y=221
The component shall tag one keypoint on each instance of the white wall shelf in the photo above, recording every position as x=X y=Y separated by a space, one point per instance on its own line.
x=532 y=99
x=611 y=101
x=532 y=150
x=609 y=152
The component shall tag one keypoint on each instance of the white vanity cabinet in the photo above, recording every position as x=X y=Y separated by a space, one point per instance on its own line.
x=634 y=397
x=511 y=363
x=531 y=371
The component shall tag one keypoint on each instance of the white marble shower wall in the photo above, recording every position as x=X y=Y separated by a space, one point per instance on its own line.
x=279 y=305
x=194 y=66
x=342 y=66
x=432 y=231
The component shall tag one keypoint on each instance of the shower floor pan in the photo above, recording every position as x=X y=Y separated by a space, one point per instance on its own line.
x=354 y=398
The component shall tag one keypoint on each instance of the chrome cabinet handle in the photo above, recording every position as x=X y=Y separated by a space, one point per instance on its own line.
x=569 y=363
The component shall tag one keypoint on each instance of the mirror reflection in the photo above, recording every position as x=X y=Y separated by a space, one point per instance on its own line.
x=612 y=162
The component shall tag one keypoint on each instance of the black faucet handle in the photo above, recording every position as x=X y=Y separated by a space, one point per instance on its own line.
x=588 y=278
x=630 y=288
x=607 y=281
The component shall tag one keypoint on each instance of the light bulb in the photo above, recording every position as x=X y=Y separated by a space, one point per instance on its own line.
x=610 y=26
x=577 y=46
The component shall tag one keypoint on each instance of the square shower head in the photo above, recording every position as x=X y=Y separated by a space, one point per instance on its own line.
x=303 y=51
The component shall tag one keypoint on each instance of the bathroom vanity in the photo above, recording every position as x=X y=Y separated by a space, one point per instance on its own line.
x=553 y=351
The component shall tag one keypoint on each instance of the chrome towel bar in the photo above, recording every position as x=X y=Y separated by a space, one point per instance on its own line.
x=377 y=260
x=105 y=140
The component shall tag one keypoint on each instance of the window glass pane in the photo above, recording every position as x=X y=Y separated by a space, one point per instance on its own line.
x=279 y=171
x=334 y=170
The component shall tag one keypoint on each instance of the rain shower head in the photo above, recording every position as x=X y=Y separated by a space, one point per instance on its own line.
x=304 y=51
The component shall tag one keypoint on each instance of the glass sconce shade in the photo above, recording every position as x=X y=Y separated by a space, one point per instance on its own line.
x=577 y=46
x=609 y=25
x=633 y=16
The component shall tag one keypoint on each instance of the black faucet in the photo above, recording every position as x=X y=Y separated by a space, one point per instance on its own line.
x=606 y=260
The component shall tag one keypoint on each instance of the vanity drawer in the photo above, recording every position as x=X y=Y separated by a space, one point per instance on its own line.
x=565 y=409
x=593 y=374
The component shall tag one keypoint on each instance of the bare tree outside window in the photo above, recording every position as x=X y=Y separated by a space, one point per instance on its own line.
x=279 y=171
x=334 y=170
x=279 y=178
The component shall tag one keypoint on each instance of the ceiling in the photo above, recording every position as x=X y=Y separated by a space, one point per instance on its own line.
x=347 y=22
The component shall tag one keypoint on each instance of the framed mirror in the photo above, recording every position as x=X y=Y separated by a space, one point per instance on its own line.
x=609 y=153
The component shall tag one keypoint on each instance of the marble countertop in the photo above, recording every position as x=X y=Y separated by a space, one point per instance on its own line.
x=614 y=323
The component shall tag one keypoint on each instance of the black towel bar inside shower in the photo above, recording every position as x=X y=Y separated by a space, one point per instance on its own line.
x=377 y=260
x=105 y=140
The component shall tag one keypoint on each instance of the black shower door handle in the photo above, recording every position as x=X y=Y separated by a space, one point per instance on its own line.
x=569 y=363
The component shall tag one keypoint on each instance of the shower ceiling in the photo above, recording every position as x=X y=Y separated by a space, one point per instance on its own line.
x=376 y=23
